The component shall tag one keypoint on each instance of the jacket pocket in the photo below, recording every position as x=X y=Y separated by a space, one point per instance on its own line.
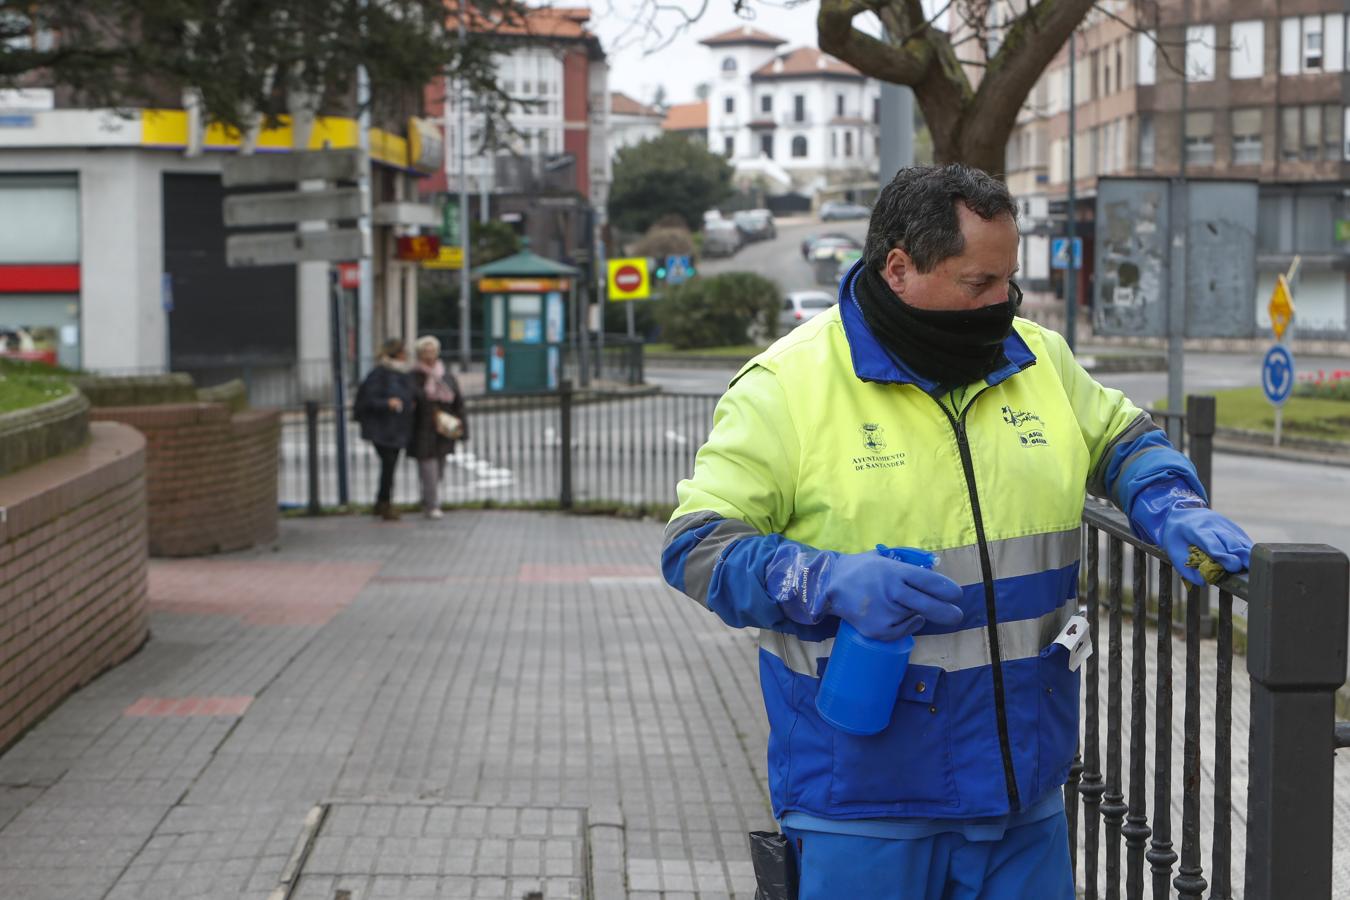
x=1058 y=737
x=909 y=762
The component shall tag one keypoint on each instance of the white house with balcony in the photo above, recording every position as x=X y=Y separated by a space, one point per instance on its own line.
x=800 y=120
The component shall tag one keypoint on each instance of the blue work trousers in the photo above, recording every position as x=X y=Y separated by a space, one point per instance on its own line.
x=1030 y=862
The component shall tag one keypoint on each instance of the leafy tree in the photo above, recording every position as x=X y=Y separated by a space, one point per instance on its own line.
x=719 y=311
x=669 y=174
x=969 y=123
x=246 y=58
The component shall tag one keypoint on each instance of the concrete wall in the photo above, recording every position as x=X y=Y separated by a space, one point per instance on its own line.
x=73 y=563
x=211 y=476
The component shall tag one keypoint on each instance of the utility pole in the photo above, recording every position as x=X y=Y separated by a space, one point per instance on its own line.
x=897 y=129
x=1176 y=302
x=1071 y=273
x=461 y=101
x=365 y=291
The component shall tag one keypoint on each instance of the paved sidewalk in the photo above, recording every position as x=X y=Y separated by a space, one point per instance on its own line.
x=496 y=705
x=489 y=700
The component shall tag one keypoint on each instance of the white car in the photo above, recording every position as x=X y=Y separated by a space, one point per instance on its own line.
x=798 y=306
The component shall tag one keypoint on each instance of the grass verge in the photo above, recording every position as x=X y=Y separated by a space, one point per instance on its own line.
x=1306 y=417
x=738 y=351
x=25 y=384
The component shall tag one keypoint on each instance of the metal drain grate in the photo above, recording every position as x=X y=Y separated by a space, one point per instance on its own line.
x=364 y=850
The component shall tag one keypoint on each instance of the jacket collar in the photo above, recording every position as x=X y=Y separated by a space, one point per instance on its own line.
x=873 y=362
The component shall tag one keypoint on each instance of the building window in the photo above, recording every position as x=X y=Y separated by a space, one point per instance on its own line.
x=728 y=146
x=1290 y=139
x=1331 y=132
x=1247 y=42
x=1092 y=76
x=1312 y=133
x=876 y=109
x=799 y=108
x=848 y=143
x=1200 y=138
x=1312 y=44
x=729 y=64
x=838 y=104
x=1199 y=53
x=1146 y=57
x=1120 y=67
x=766 y=145
x=729 y=104
x=834 y=143
x=766 y=103
x=1146 y=143
x=1246 y=124
x=799 y=147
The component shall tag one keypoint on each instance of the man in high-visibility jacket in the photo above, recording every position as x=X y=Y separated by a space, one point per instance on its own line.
x=920 y=412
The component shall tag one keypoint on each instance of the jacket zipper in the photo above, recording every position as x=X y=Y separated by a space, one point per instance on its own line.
x=987 y=569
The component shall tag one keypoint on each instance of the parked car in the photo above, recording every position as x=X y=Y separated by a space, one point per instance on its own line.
x=846 y=261
x=798 y=306
x=825 y=257
x=831 y=238
x=834 y=210
x=721 y=238
x=756 y=224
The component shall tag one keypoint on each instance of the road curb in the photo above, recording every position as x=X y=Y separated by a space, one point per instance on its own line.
x=1255 y=443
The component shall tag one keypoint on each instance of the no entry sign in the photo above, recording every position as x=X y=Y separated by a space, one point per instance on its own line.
x=628 y=279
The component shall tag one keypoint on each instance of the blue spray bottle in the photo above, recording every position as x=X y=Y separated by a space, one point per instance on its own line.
x=862 y=680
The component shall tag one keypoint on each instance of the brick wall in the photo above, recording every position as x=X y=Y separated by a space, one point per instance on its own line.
x=72 y=572
x=211 y=476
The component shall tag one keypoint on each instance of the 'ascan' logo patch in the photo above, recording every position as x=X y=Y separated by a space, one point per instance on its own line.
x=1029 y=427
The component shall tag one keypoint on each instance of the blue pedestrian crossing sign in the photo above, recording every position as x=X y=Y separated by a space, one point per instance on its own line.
x=678 y=269
x=1277 y=374
x=1059 y=253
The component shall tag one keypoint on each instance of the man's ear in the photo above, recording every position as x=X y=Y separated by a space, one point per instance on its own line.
x=899 y=267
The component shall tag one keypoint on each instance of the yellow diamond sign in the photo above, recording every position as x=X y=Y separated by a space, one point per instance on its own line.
x=1281 y=307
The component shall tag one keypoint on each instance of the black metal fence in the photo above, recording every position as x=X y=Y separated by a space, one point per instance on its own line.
x=566 y=447
x=1295 y=599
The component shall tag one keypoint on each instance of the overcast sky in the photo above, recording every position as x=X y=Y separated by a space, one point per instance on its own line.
x=684 y=62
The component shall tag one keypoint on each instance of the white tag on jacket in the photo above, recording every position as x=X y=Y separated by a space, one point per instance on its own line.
x=1076 y=638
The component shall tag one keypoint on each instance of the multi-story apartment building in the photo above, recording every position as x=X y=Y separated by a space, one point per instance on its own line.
x=551 y=168
x=810 y=116
x=1265 y=98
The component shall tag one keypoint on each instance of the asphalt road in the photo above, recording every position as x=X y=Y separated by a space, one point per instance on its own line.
x=635 y=450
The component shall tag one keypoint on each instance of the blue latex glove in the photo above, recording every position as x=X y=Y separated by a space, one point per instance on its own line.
x=882 y=598
x=1174 y=517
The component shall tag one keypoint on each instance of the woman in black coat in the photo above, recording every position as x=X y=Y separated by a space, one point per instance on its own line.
x=384 y=408
x=438 y=421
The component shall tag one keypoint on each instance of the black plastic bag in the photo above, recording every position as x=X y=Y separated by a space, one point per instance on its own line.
x=775 y=867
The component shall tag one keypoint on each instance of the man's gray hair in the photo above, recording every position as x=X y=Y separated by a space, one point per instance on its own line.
x=916 y=212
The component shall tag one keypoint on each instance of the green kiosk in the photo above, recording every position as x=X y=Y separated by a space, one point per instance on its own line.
x=526 y=300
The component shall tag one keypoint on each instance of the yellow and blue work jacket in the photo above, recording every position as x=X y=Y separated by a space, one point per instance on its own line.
x=827 y=440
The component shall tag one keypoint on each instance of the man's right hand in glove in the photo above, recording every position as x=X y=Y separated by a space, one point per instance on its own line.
x=882 y=598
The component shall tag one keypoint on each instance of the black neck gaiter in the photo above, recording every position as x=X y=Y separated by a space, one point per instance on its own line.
x=951 y=347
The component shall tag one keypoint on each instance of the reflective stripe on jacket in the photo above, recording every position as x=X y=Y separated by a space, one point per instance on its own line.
x=828 y=440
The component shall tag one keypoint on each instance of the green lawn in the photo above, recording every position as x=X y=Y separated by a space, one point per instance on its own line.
x=1305 y=417
x=739 y=351
x=23 y=385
